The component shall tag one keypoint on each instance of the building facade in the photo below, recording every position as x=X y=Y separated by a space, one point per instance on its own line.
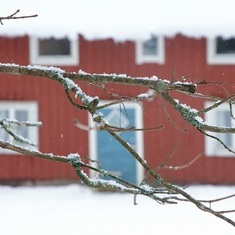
x=39 y=99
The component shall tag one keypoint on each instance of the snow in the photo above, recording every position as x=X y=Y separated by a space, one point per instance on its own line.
x=39 y=67
x=143 y=96
x=73 y=157
x=154 y=78
x=74 y=209
x=120 y=19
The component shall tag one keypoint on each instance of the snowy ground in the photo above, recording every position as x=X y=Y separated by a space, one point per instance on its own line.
x=75 y=209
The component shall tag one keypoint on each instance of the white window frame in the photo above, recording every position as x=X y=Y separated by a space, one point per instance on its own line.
x=212 y=146
x=214 y=58
x=158 y=58
x=70 y=60
x=139 y=138
x=32 y=108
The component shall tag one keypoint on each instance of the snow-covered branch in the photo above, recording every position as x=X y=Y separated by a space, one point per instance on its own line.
x=191 y=115
x=53 y=73
x=158 y=194
x=165 y=192
x=115 y=184
x=91 y=103
x=9 y=126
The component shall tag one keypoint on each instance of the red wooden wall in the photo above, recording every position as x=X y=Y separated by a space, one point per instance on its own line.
x=58 y=135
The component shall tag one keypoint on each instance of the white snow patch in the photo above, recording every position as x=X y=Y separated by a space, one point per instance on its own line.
x=147 y=188
x=45 y=68
x=155 y=78
x=143 y=96
x=199 y=119
x=76 y=209
x=83 y=72
x=191 y=110
x=73 y=156
x=70 y=85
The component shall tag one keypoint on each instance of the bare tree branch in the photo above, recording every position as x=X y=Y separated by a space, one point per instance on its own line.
x=14 y=17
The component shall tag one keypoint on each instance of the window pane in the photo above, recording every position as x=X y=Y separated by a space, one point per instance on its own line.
x=225 y=46
x=150 y=46
x=54 y=47
x=22 y=115
x=3 y=134
x=4 y=114
x=21 y=111
x=224 y=120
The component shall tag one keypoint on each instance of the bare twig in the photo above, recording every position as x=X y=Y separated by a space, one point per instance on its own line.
x=170 y=119
x=14 y=17
x=120 y=129
x=217 y=104
x=231 y=110
x=217 y=139
x=183 y=166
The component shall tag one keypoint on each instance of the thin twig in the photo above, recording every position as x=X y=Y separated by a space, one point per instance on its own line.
x=217 y=139
x=120 y=129
x=13 y=17
x=176 y=168
x=170 y=119
x=217 y=104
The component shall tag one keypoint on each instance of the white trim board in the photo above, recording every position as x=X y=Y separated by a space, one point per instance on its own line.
x=37 y=59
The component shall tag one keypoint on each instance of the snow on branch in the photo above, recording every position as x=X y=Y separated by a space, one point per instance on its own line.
x=91 y=103
x=9 y=125
x=191 y=115
x=20 y=123
x=75 y=161
x=52 y=72
x=167 y=192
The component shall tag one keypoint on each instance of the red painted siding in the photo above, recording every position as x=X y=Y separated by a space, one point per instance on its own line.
x=186 y=55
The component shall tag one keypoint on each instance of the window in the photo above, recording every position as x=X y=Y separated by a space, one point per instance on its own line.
x=21 y=111
x=219 y=117
x=150 y=51
x=54 y=51
x=221 y=50
x=54 y=47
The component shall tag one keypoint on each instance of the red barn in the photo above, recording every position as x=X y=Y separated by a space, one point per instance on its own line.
x=35 y=99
